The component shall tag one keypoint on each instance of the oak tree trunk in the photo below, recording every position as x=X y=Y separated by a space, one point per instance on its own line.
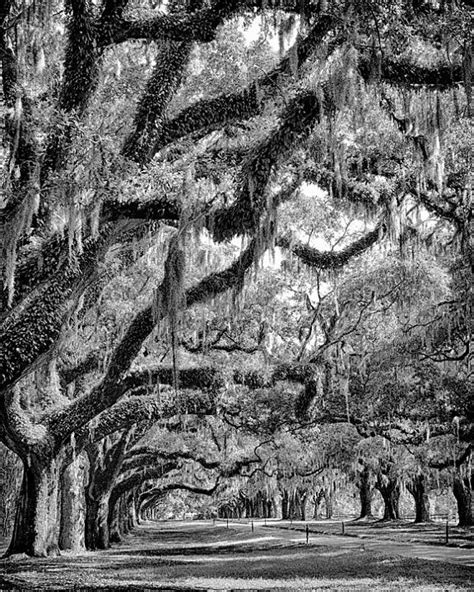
x=73 y=503
x=417 y=488
x=97 y=526
x=115 y=526
x=36 y=528
x=329 y=504
x=365 y=494
x=318 y=498
x=391 y=497
x=285 y=509
x=131 y=512
x=464 y=493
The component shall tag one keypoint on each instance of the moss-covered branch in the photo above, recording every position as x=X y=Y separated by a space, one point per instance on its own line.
x=19 y=132
x=209 y=114
x=140 y=458
x=33 y=328
x=80 y=80
x=90 y=363
x=19 y=166
x=329 y=259
x=223 y=469
x=406 y=73
x=163 y=83
x=211 y=378
x=159 y=209
x=138 y=477
x=111 y=388
x=123 y=415
x=36 y=267
x=199 y=25
x=442 y=209
x=245 y=214
x=150 y=497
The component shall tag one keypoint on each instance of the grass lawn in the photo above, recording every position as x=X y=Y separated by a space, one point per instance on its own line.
x=201 y=557
x=433 y=533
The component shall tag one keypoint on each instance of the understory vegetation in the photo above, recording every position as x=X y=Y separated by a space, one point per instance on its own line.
x=236 y=264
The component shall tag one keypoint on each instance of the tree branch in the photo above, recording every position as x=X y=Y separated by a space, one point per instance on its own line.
x=244 y=215
x=33 y=328
x=329 y=259
x=209 y=114
x=111 y=388
x=405 y=73
x=200 y=25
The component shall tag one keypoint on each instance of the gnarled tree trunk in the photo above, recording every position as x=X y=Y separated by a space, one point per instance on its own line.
x=390 y=491
x=132 y=516
x=365 y=493
x=463 y=491
x=116 y=521
x=417 y=488
x=36 y=528
x=317 y=499
x=97 y=524
x=328 y=500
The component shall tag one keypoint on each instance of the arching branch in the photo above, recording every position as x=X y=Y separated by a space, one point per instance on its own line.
x=200 y=25
x=244 y=215
x=32 y=329
x=210 y=114
x=112 y=385
x=329 y=259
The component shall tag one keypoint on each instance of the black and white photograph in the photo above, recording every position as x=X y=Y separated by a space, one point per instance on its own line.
x=236 y=295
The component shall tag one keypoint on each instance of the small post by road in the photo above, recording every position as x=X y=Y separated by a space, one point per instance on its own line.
x=447 y=532
x=307 y=534
x=342 y=527
x=252 y=526
x=227 y=523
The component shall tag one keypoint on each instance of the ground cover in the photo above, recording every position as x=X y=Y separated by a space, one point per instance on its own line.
x=205 y=557
x=431 y=533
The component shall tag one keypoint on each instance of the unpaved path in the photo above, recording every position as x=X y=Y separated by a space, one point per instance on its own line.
x=197 y=556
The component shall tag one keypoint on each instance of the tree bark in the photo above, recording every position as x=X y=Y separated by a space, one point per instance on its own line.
x=36 y=528
x=329 y=504
x=464 y=493
x=123 y=516
x=132 y=519
x=300 y=497
x=73 y=503
x=97 y=525
x=317 y=499
x=365 y=493
x=390 y=491
x=285 y=506
x=115 y=526
x=417 y=488
x=277 y=513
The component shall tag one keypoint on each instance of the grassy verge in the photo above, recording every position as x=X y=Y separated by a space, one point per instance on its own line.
x=432 y=533
x=206 y=558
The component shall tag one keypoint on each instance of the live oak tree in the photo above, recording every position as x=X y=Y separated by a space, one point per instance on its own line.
x=85 y=174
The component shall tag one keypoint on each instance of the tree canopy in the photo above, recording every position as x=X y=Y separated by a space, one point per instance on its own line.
x=227 y=227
